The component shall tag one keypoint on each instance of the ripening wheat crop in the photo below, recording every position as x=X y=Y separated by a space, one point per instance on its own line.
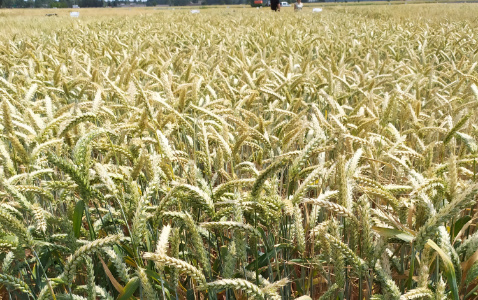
x=241 y=154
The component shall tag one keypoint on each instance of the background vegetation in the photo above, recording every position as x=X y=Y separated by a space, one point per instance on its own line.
x=255 y=155
x=115 y=3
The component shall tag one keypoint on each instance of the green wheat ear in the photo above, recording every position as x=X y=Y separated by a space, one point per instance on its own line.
x=182 y=266
x=260 y=180
x=7 y=117
x=91 y=247
x=451 y=209
x=237 y=226
x=90 y=275
x=15 y=284
x=389 y=287
x=329 y=293
x=74 y=121
x=149 y=292
x=237 y=284
x=11 y=223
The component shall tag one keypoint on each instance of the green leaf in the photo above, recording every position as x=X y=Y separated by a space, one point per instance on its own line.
x=129 y=289
x=263 y=235
x=77 y=217
x=190 y=295
x=455 y=128
x=155 y=276
x=264 y=258
x=449 y=269
x=399 y=234
x=301 y=260
x=58 y=280
x=459 y=224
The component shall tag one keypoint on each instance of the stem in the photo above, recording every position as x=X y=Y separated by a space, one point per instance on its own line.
x=44 y=274
x=412 y=267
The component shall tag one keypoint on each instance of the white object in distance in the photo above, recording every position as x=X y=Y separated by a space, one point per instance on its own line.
x=284 y=4
x=194 y=11
x=317 y=9
x=74 y=14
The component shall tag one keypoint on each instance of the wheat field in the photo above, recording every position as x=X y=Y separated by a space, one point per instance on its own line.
x=239 y=153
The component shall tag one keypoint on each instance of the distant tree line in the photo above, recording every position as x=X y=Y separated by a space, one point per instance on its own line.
x=50 y=3
x=101 y=3
x=214 y=2
x=202 y=2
